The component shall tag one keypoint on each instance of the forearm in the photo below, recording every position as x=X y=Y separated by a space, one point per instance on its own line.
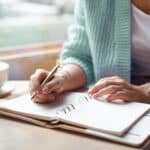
x=75 y=77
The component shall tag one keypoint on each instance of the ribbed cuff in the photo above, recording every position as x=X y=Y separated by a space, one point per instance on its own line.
x=87 y=68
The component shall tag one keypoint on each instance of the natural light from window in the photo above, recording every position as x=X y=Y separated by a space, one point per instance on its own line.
x=29 y=22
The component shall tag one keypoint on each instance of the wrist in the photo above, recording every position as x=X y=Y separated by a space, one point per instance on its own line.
x=145 y=88
x=64 y=77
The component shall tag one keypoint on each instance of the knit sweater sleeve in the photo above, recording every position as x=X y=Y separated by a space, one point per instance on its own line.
x=77 y=50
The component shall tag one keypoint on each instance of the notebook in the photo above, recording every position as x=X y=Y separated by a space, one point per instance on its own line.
x=77 y=109
x=136 y=136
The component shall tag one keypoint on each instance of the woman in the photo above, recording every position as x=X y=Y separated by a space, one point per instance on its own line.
x=108 y=48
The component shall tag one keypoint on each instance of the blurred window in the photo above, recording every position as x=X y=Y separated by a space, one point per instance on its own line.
x=29 y=22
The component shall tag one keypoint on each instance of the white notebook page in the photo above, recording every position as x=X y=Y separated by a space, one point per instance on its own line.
x=108 y=117
x=136 y=136
x=24 y=105
x=79 y=109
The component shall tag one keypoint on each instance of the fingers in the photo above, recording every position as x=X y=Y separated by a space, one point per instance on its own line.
x=122 y=95
x=115 y=87
x=49 y=91
x=107 y=90
x=36 y=79
x=55 y=85
x=126 y=95
x=105 y=82
x=44 y=98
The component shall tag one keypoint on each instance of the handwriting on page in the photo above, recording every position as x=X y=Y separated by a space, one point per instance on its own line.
x=72 y=107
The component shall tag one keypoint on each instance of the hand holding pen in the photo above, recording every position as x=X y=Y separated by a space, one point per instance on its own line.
x=44 y=85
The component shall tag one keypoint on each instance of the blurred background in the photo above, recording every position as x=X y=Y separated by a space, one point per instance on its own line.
x=29 y=22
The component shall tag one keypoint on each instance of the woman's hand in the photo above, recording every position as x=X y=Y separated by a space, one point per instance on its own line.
x=50 y=90
x=119 y=89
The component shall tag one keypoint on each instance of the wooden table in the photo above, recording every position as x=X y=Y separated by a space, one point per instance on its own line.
x=18 y=135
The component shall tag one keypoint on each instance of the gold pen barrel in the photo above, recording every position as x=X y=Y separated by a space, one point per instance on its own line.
x=49 y=76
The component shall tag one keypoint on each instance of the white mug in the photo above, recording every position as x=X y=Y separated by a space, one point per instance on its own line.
x=4 y=68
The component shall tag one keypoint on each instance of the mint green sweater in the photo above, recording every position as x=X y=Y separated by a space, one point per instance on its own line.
x=99 y=39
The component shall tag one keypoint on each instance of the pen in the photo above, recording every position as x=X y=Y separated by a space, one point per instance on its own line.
x=49 y=76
